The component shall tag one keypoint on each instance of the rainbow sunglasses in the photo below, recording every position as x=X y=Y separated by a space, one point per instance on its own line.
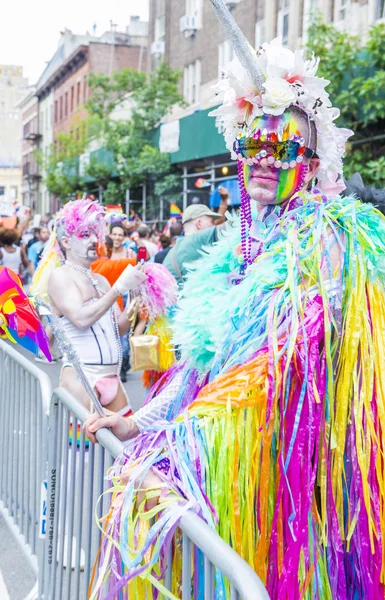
x=280 y=150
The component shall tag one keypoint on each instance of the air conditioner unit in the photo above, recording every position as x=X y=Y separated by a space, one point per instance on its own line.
x=157 y=48
x=188 y=25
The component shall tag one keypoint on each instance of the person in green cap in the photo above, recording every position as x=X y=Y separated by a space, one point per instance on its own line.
x=201 y=227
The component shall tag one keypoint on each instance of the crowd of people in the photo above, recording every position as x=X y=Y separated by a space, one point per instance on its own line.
x=22 y=247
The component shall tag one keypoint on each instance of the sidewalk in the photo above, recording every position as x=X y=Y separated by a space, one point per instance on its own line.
x=3 y=589
x=17 y=578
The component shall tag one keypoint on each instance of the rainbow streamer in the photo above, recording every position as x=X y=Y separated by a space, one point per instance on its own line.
x=277 y=436
x=19 y=322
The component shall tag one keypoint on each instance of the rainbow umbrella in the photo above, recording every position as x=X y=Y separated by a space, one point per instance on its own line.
x=19 y=321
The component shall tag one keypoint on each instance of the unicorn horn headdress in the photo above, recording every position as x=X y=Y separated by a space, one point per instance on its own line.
x=269 y=81
x=241 y=46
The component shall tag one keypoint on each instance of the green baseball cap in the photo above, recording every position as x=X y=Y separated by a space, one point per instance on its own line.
x=195 y=211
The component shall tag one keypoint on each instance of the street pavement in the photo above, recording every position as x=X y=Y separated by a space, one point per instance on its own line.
x=16 y=576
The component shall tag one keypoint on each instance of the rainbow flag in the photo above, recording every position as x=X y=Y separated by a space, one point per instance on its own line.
x=133 y=215
x=114 y=208
x=175 y=211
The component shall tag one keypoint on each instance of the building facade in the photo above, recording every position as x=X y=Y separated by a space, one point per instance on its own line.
x=62 y=90
x=30 y=150
x=188 y=35
x=13 y=87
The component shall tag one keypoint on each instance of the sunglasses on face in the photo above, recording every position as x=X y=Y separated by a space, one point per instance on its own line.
x=254 y=151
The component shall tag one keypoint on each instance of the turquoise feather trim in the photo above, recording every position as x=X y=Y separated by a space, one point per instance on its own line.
x=211 y=309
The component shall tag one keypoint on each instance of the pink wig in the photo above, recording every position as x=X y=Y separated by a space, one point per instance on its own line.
x=79 y=216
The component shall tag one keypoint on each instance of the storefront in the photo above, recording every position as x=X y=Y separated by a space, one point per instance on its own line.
x=196 y=145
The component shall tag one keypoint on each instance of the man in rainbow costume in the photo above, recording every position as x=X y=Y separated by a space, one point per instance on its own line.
x=271 y=427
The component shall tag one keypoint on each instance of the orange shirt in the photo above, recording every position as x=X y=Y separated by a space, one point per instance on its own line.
x=112 y=269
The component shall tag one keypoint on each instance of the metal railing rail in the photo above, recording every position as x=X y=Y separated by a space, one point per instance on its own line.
x=24 y=405
x=75 y=484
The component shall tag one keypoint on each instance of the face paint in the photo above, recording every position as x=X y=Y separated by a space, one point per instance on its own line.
x=84 y=247
x=272 y=151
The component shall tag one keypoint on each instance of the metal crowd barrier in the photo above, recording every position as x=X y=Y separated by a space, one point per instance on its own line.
x=76 y=479
x=24 y=406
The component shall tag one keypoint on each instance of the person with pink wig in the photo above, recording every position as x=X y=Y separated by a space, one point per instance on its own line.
x=86 y=303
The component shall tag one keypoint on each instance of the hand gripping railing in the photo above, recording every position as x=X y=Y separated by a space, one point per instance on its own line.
x=75 y=484
x=25 y=393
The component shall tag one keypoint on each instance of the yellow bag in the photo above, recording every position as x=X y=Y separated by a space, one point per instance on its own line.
x=144 y=349
x=144 y=352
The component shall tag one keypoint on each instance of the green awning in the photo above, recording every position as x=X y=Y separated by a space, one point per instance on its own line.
x=198 y=138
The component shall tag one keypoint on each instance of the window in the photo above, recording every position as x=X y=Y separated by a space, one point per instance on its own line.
x=78 y=94
x=283 y=21
x=192 y=82
x=61 y=108
x=308 y=14
x=225 y=55
x=343 y=10
x=380 y=9
x=2 y=190
x=42 y=121
x=14 y=192
x=259 y=33
x=160 y=7
x=160 y=28
x=51 y=115
x=72 y=98
x=66 y=104
x=193 y=8
x=85 y=89
x=56 y=115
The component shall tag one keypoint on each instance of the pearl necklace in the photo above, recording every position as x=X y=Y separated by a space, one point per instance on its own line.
x=101 y=293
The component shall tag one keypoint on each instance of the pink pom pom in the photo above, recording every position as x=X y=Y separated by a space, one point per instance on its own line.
x=159 y=293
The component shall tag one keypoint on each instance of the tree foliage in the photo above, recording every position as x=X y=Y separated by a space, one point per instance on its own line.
x=357 y=86
x=123 y=111
x=62 y=167
x=136 y=160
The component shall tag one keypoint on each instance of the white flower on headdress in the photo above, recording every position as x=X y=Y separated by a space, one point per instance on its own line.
x=290 y=80
x=278 y=96
x=280 y=61
x=240 y=100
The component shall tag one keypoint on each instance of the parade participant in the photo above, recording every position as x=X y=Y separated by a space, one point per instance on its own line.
x=144 y=239
x=111 y=268
x=86 y=303
x=35 y=250
x=117 y=235
x=272 y=425
x=202 y=227
x=11 y=255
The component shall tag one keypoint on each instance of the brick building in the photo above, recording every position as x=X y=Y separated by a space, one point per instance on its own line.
x=70 y=81
x=58 y=104
x=188 y=35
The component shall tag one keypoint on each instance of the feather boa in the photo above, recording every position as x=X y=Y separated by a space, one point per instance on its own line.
x=282 y=449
